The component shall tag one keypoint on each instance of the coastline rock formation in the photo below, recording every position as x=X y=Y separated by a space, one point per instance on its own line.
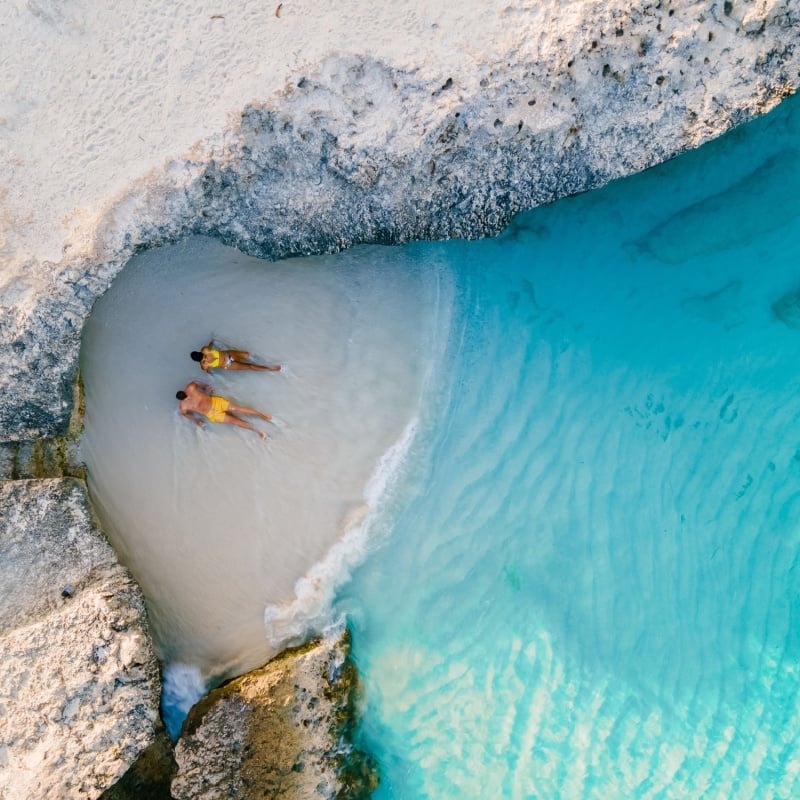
x=291 y=130
x=80 y=690
x=281 y=732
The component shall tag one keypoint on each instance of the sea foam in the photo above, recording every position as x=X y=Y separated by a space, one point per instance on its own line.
x=291 y=622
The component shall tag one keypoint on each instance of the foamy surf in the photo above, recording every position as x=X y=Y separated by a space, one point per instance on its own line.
x=289 y=623
x=183 y=685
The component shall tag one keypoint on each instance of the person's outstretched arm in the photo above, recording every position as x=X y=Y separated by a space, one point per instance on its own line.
x=194 y=418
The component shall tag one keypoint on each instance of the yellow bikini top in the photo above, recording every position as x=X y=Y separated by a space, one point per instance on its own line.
x=214 y=354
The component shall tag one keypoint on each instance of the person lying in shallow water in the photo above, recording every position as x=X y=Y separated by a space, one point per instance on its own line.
x=198 y=400
x=214 y=358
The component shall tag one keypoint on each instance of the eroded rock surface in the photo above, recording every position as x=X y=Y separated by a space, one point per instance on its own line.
x=371 y=147
x=80 y=685
x=278 y=732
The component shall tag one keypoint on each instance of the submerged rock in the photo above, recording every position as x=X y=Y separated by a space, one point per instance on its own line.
x=787 y=309
x=80 y=689
x=700 y=229
x=279 y=732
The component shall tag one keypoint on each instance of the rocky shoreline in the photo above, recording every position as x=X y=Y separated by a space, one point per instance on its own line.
x=81 y=684
x=354 y=150
x=79 y=705
x=283 y=731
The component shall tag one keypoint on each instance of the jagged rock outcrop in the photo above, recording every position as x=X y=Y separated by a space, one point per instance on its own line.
x=358 y=149
x=279 y=732
x=80 y=689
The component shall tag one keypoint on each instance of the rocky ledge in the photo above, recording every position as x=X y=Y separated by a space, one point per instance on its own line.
x=80 y=691
x=282 y=731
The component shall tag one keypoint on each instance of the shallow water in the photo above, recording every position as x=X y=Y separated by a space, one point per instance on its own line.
x=589 y=585
x=217 y=525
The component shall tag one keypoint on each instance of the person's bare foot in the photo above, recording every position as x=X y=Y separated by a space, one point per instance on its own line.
x=262 y=434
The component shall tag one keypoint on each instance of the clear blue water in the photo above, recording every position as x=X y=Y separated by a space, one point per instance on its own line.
x=586 y=585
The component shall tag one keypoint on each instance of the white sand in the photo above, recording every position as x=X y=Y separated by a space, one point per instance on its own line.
x=95 y=95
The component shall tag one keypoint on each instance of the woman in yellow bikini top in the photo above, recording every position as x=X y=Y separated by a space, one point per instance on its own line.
x=211 y=357
x=215 y=359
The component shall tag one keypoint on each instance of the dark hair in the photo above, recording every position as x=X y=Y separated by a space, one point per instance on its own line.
x=181 y=395
x=196 y=356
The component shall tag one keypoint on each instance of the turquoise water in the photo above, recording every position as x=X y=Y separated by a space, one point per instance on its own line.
x=586 y=583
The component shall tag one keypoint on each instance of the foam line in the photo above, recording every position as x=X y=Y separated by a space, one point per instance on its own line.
x=289 y=623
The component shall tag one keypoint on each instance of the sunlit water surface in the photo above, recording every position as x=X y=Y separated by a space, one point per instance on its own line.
x=588 y=586
x=578 y=571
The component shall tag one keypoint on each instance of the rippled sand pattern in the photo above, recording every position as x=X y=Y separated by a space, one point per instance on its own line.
x=592 y=576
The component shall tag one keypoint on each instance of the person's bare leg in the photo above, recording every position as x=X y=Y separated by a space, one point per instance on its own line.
x=247 y=410
x=232 y=419
x=240 y=365
x=240 y=355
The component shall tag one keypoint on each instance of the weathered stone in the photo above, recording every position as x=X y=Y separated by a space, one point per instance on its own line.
x=150 y=775
x=279 y=732
x=80 y=689
x=47 y=458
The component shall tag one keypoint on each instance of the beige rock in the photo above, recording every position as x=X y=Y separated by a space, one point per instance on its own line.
x=80 y=690
x=277 y=732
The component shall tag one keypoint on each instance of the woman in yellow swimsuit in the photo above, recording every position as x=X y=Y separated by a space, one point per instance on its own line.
x=211 y=357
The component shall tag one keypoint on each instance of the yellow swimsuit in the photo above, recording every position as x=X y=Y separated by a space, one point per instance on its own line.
x=215 y=354
x=219 y=405
x=220 y=359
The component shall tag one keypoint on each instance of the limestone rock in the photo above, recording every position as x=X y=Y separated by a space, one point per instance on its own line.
x=80 y=689
x=149 y=776
x=277 y=732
